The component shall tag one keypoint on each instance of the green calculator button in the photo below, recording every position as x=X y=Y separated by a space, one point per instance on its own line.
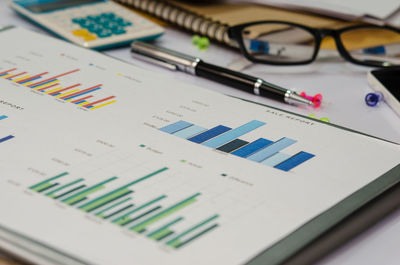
x=104 y=33
x=111 y=25
x=101 y=20
x=126 y=23
x=78 y=20
x=119 y=31
x=95 y=28
x=103 y=25
x=87 y=24
x=91 y=17
x=108 y=15
x=119 y=20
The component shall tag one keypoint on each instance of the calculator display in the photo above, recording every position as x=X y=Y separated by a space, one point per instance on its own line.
x=45 y=6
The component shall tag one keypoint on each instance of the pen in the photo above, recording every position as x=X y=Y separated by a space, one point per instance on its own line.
x=177 y=61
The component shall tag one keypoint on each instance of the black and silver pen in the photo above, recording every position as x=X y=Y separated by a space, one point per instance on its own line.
x=177 y=61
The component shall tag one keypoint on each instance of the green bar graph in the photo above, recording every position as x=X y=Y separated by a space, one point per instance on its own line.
x=140 y=216
x=78 y=201
x=123 y=220
x=181 y=244
x=141 y=226
x=118 y=211
x=46 y=183
x=48 y=187
x=51 y=193
x=82 y=194
x=161 y=231
x=112 y=205
x=92 y=204
x=88 y=207
x=74 y=198
x=175 y=242
x=69 y=192
x=162 y=234
x=42 y=187
x=161 y=237
x=100 y=213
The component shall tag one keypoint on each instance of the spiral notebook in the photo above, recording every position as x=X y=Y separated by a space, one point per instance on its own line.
x=213 y=20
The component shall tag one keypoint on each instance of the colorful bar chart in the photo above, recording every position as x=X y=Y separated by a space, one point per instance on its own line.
x=51 y=85
x=225 y=139
x=153 y=218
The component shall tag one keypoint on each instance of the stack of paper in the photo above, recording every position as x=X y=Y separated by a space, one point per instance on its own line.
x=345 y=9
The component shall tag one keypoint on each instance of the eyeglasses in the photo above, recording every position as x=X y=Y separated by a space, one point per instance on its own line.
x=285 y=43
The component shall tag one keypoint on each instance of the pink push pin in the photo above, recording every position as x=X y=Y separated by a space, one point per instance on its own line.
x=317 y=99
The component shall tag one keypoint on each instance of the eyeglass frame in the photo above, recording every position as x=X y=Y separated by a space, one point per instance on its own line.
x=235 y=33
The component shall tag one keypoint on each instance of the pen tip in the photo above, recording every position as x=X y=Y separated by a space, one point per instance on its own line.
x=316 y=99
x=296 y=98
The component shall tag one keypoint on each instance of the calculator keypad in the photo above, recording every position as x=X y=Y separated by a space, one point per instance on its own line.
x=103 y=25
x=100 y=24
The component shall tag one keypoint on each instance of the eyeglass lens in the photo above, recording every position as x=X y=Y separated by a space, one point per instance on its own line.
x=276 y=42
x=375 y=46
x=279 y=43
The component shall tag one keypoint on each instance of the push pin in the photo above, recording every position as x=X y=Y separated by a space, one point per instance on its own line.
x=372 y=99
x=317 y=99
x=201 y=42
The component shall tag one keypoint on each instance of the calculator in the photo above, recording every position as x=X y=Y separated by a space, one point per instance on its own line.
x=96 y=24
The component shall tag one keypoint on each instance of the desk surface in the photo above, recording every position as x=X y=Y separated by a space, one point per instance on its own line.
x=343 y=86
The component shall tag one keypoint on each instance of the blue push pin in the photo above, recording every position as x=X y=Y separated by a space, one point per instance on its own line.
x=373 y=98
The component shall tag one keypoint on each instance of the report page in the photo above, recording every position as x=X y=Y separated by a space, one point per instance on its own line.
x=114 y=164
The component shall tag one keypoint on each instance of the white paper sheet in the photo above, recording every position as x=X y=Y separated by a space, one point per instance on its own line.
x=340 y=8
x=239 y=207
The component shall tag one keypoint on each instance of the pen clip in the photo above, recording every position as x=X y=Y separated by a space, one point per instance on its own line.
x=154 y=60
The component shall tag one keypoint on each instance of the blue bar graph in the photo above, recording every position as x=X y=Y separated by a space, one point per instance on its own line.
x=190 y=131
x=252 y=147
x=41 y=84
x=271 y=149
x=294 y=161
x=231 y=135
x=83 y=93
x=6 y=138
x=33 y=79
x=275 y=159
x=207 y=135
x=225 y=139
x=2 y=117
x=177 y=126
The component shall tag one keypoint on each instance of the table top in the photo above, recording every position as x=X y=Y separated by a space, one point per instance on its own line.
x=343 y=86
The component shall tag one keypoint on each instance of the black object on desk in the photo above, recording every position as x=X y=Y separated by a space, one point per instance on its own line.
x=177 y=61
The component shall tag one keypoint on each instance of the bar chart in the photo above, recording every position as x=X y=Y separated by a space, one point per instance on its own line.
x=8 y=137
x=153 y=218
x=51 y=85
x=225 y=139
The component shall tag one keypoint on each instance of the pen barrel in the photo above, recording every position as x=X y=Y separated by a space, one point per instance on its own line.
x=226 y=76
x=272 y=91
x=239 y=80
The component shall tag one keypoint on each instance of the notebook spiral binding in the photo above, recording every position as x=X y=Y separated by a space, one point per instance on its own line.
x=183 y=18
